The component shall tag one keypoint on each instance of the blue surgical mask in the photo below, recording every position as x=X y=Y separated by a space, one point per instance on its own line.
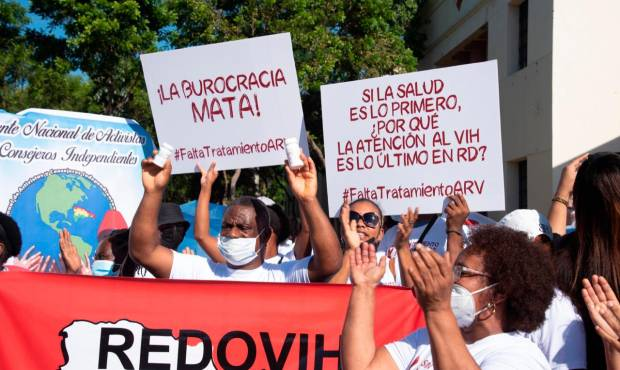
x=104 y=268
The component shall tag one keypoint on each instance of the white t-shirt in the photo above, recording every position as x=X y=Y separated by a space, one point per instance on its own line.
x=562 y=337
x=187 y=266
x=286 y=253
x=496 y=352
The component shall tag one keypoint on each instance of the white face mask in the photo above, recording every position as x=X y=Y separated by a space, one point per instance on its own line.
x=103 y=268
x=463 y=304
x=238 y=251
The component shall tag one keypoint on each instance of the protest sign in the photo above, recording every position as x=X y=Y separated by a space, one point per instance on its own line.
x=121 y=323
x=413 y=139
x=66 y=170
x=233 y=102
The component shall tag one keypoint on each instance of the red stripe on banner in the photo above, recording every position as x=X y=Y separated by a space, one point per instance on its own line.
x=116 y=323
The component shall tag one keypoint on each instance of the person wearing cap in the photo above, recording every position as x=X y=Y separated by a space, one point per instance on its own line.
x=10 y=238
x=561 y=337
x=172 y=228
x=245 y=231
x=533 y=223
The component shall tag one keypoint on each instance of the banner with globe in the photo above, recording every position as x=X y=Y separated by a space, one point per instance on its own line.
x=65 y=170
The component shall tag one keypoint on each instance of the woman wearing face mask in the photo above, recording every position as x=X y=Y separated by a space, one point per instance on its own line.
x=499 y=285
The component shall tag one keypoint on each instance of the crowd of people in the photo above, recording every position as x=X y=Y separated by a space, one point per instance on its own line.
x=529 y=292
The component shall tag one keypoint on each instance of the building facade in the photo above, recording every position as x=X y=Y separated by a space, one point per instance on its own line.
x=559 y=80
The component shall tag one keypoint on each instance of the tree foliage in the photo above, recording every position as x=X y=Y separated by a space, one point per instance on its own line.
x=333 y=41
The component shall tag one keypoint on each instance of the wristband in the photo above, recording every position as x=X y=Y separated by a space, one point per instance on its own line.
x=454 y=231
x=560 y=200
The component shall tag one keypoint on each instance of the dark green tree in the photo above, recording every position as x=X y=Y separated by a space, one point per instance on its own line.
x=333 y=41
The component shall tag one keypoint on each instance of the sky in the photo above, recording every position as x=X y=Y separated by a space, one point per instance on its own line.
x=38 y=23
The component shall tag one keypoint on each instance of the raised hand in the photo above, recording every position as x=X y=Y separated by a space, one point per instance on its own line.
x=349 y=227
x=432 y=279
x=456 y=212
x=155 y=178
x=26 y=261
x=69 y=254
x=188 y=250
x=604 y=310
x=86 y=270
x=303 y=181
x=364 y=267
x=407 y=221
x=567 y=179
x=207 y=177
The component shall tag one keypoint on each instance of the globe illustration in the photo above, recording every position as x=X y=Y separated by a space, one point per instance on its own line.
x=56 y=200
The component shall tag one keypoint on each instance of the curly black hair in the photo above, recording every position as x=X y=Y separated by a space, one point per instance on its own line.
x=524 y=273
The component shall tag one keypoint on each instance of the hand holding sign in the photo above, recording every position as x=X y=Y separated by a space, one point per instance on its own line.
x=443 y=123
x=303 y=182
x=155 y=178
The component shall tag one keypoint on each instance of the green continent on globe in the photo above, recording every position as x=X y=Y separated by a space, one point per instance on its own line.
x=59 y=194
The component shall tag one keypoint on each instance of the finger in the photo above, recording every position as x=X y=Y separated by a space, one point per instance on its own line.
x=365 y=253
x=358 y=256
x=415 y=275
x=304 y=159
x=609 y=314
x=382 y=263
x=443 y=264
x=61 y=262
x=422 y=268
x=427 y=257
x=311 y=166
x=588 y=287
x=28 y=251
x=289 y=172
x=35 y=256
x=608 y=338
x=352 y=226
x=344 y=212
x=609 y=293
x=201 y=169
x=168 y=165
x=213 y=167
x=598 y=289
x=579 y=160
x=372 y=255
x=353 y=257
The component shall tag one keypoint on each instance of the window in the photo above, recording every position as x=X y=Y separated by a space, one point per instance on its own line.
x=523 y=34
x=523 y=184
x=472 y=50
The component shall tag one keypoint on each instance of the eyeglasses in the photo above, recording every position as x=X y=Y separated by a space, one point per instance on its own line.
x=370 y=219
x=459 y=271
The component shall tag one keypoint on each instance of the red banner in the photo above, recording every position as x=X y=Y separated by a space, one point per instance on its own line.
x=53 y=321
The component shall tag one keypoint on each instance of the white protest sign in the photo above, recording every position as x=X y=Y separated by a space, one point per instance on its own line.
x=413 y=139
x=233 y=102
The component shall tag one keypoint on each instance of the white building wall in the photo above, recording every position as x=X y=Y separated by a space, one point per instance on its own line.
x=586 y=79
x=525 y=95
